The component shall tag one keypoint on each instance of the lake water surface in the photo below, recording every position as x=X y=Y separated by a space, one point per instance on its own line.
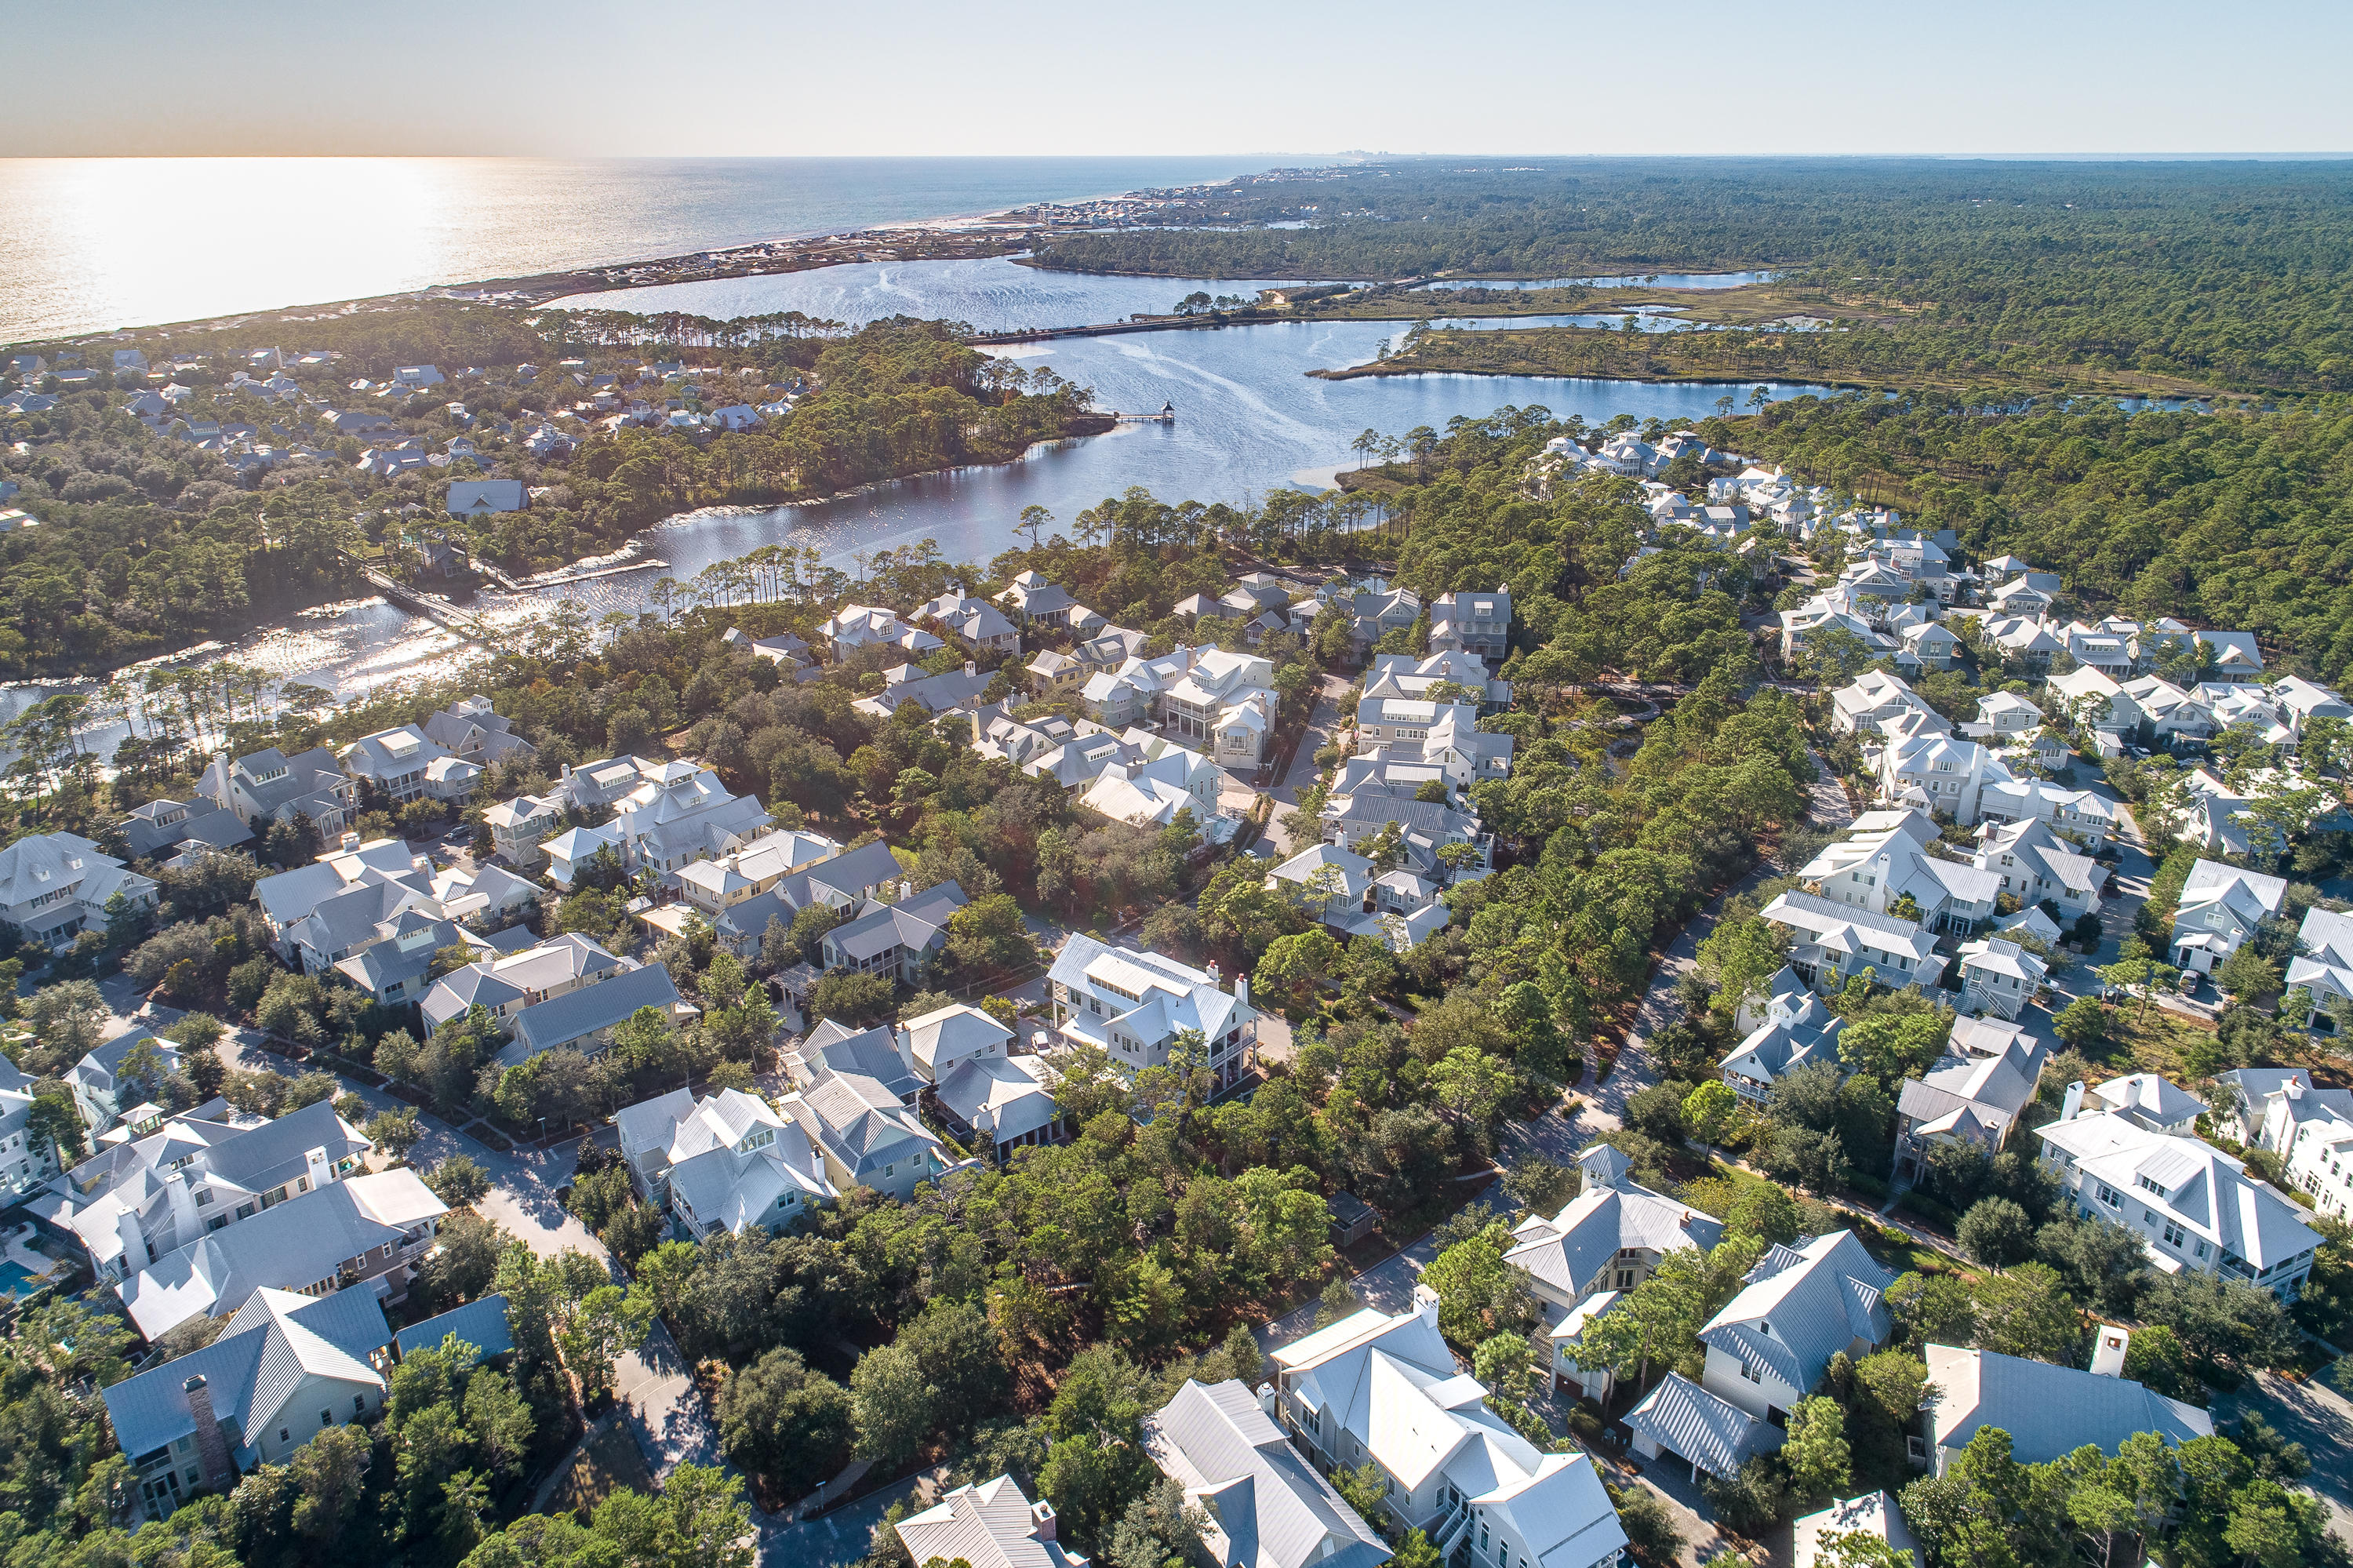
x=1249 y=419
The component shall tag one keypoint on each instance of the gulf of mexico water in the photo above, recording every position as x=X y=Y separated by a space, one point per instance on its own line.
x=96 y=243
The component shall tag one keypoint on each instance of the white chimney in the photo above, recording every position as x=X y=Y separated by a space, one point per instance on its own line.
x=2108 y=1356
x=1266 y=1397
x=970 y=668
x=135 y=1243
x=1241 y=990
x=2072 y=1103
x=315 y=1159
x=1042 y=1520
x=1425 y=1303
x=350 y=842
x=183 y=1204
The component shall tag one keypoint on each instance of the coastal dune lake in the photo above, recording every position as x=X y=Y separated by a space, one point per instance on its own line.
x=1249 y=419
x=994 y=295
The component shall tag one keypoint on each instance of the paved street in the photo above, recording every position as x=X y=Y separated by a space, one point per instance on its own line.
x=1321 y=726
x=667 y=1417
x=2315 y=1414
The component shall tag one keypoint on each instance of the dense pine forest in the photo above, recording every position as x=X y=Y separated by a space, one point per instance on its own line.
x=2232 y=275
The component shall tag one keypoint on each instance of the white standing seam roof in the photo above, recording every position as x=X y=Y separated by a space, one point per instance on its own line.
x=1268 y=1506
x=1567 y=1250
x=2144 y=1096
x=1714 y=1434
x=1802 y=1304
x=2206 y=1191
x=1873 y=1514
x=987 y=1526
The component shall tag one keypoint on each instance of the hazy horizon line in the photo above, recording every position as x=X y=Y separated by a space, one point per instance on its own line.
x=1276 y=159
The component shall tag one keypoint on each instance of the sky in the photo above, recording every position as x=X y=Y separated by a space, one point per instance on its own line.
x=717 y=78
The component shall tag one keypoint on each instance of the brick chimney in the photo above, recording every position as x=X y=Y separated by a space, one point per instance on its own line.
x=212 y=1449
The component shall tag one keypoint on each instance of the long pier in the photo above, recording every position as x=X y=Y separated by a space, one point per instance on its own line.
x=433 y=607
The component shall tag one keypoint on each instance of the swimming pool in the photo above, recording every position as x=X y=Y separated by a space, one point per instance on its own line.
x=17 y=1280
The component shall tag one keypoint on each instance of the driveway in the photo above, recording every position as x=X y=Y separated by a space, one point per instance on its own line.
x=1321 y=726
x=2133 y=870
x=841 y=1538
x=668 y=1418
x=1387 y=1285
x=2315 y=1414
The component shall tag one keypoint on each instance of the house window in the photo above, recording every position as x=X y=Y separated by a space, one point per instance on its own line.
x=359 y=1402
x=2173 y=1234
x=284 y=1435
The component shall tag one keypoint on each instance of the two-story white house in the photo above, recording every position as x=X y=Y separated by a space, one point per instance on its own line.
x=866 y=1136
x=287 y=1367
x=1134 y=1004
x=518 y=827
x=134 y=1202
x=1836 y=942
x=1974 y=1093
x=404 y=765
x=269 y=786
x=1264 y=1505
x=2191 y=1205
x=1766 y=1351
x=2221 y=906
x=1609 y=1239
x=1887 y=859
x=1384 y=1390
x=54 y=887
x=1476 y=623
x=726 y=1161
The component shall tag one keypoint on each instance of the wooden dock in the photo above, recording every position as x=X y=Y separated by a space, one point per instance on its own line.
x=433 y=607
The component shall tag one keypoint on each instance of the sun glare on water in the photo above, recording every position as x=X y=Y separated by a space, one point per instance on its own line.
x=151 y=230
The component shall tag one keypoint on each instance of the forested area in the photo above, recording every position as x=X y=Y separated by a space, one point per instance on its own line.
x=147 y=543
x=2232 y=520
x=2231 y=275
